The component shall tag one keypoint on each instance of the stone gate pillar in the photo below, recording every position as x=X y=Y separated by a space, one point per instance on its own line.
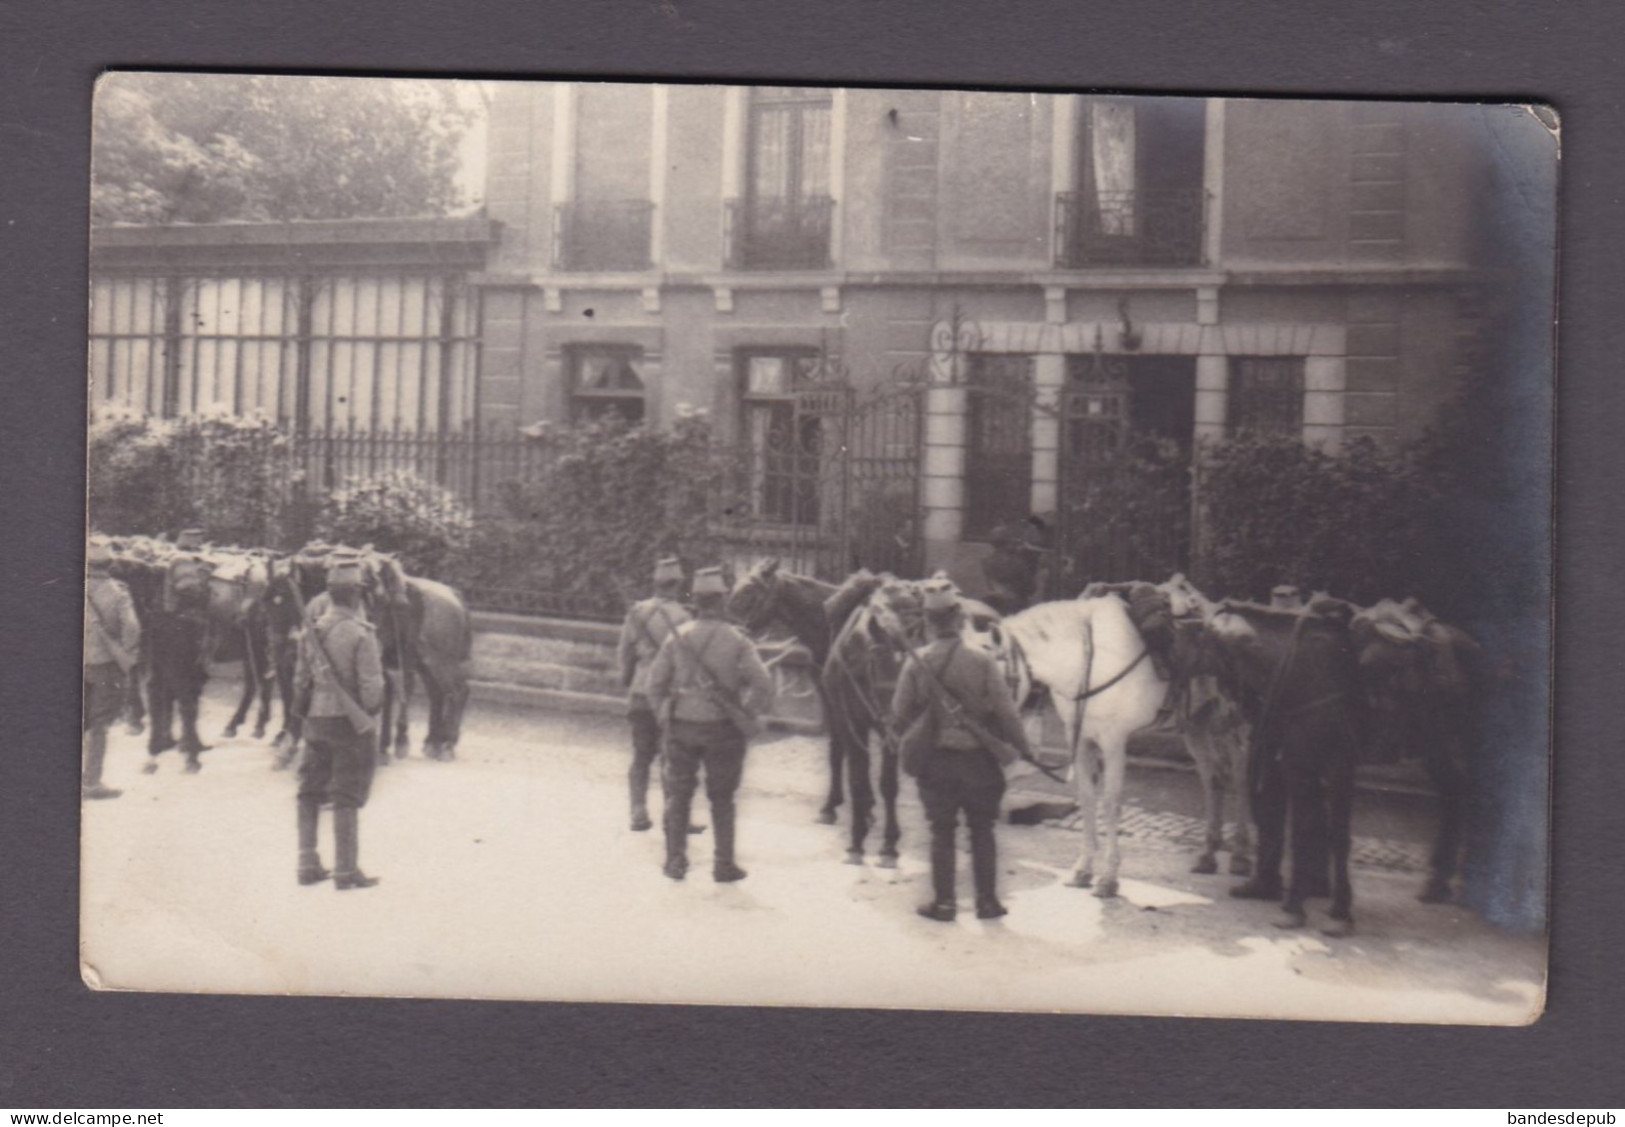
x=942 y=485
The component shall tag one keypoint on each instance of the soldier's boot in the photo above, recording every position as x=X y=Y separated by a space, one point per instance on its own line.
x=310 y=862
x=95 y=756
x=943 y=907
x=638 y=786
x=676 y=827
x=346 y=845
x=724 y=870
x=985 y=873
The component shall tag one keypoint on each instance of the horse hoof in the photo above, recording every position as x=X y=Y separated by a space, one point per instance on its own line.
x=1240 y=866
x=1081 y=880
x=192 y=767
x=888 y=860
x=854 y=856
x=1206 y=863
x=150 y=767
x=1106 y=890
x=134 y=728
x=230 y=732
x=259 y=731
x=1256 y=889
x=1337 y=928
x=1288 y=920
x=825 y=818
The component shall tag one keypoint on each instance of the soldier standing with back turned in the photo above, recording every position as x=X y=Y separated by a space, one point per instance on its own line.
x=340 y=674
x=707 y=685
x=646 y=627
x=977 y=732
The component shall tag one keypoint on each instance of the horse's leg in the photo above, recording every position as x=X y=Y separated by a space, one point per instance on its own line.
x=1307 y=824
x=888 y=794
x=837 y=759
x=134 y=709
x=266 y=676
x=1242 y=841
x=386 y=716
x=1083 y=770
x=160 y=732
x=250 y=687
x=863 y=792
x=1446 y=765
x=1339 y=840
x=1114 y=751
x=1199 y=745
x=434 y=738
x=403 y=744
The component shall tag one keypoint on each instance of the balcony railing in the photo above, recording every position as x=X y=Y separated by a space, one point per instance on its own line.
x=1158 y=227
x=778 y=234
x=602 y=235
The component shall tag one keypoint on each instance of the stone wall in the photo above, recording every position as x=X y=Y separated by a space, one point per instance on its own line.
x=561 y=664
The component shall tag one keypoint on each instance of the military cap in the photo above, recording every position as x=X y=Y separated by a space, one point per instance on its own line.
x=708 y=581
x=190 y=539
x=669 y=570
x=939 y=595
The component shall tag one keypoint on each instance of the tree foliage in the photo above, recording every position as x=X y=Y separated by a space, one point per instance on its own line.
x=185 y=148
x=227 y=474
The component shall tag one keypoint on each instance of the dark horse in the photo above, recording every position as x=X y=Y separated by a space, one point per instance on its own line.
x=765 y=596
x=857 y=633
x=172 y=603
x=1424 y=679
x=1295 y=674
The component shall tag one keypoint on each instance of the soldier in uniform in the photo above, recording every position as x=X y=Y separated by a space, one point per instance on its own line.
x=340 y=683
x=646 y=627
x=112 y=648
x=977 y=733
x=707 y=685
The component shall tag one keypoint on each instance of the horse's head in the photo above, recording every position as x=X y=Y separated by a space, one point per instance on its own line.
x=386 y=577
x=753 y=602
x=189 y=584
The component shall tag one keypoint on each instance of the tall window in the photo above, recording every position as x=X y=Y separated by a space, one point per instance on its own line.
x=605 y=380
x=783 y=443
x=1266 y=395
x=998 y=441
x=1139 y=197
x=787 y=207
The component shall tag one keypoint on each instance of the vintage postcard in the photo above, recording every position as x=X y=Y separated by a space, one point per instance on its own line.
x=823 y=547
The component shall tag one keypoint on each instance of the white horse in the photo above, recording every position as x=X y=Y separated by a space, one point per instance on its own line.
x=1104 y=687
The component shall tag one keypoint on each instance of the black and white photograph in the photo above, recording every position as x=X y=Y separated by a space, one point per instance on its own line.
x=929 y=548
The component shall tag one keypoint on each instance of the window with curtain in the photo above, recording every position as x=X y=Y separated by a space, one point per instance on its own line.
x=1110 y=165
x=787 y=182
x=782 y=444
x=1266 y=395
x=605 y=380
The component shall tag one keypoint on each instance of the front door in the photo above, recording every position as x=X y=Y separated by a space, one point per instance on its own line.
x=1124 y=495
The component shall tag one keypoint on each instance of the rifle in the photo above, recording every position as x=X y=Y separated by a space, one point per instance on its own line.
x=955 y=709
x=713 y=690
x=322 y=666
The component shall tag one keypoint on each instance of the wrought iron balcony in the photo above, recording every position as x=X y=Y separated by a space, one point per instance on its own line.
x=602 y=235
x=1158 y=227
x=778 y=234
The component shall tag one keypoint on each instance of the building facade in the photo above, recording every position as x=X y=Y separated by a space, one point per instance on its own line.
x=1062 y=271
x=920 y=315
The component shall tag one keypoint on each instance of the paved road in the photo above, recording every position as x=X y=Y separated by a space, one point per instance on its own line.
x=512 y=874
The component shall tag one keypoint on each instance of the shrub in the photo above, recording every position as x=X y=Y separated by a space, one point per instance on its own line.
x=229 y=475
x=397 y=511
x=1275 y=510
x=601 y=501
